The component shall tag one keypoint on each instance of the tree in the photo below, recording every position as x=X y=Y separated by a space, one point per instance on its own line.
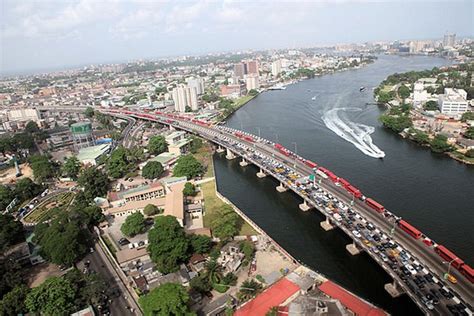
x=189 y=189
x=196 y=144
x=200 y=284
x=42 y=168
x=168 y=245
x=62 y=242
x=431 y=106
x=89 y=112
x=188 y=109
x=439 y=144
x=152 y=170
x=248 y=289
x=468 y=116
x=23 y=141
x=26 y=189
x=11 y=232
x=157 y=145
x=420 y=137
x=253 y=92
x=151 y=210
x=13 y=303
x=469 y=153
x=94 y=182
x=71 y=167
x=200 y=243
x=10 y=274
x=227 y=224
x=134 y=224
x=247 y=248
x=469 y=133
x=6 y=196
x=229 y=279
x=31 y=127
x=403 y=92
x=396 y=123
x=118 y=164
x=89 y=215
x=167 y=299
x=188 y=166
x=55 y=296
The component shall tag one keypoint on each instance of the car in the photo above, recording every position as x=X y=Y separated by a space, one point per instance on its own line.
x=356 y=234
x=91 y=249
x=451 y=278
x=123 y=241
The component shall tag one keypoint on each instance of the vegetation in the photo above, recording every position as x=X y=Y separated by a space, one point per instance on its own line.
x=152 y=170
x=196 y=144
x=134 y=224
x=55 y=296
x=118 y=164
x=151 y=210
x=168 y=245
x=188 y=166
x=200 y=243
x=248 y=249
x=11 y=232
x=227 y=224
x=439 y=144
x=13 y=303
x=189 y=189
x=403 y=92
x=26 y=189
x=397 y=123
x=167 y=299
x=71 y=167
x=469 y=132
x=6 y=196
x=431 y=106
x=94 y=182
x=253 y=92
x=469 y=153
x=200 y=284
x=157 y=145
x=50 y=208
x=468 y=116
x=42 y=168
x=420 y=137
x=249 y=289
x=89 y=112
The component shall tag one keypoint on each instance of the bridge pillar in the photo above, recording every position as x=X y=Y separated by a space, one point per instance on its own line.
x=326 y=225
x=393 y=289
x=281 y=188
x=304 y=206
x=243 y=163
x=353 y=249
x=172 y=128
x=261 y=174
x=220 y=149
x=230 y=155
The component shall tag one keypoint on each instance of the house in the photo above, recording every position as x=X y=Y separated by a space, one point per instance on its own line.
x=178 y=143
x=91 y=155
x=219 y=305
x=197 y=262
x=465 y=143
x=231 y=257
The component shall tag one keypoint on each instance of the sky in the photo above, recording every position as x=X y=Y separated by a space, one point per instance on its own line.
x=53 y=34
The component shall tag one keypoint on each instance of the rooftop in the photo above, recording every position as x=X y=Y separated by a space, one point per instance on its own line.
x=92 y=152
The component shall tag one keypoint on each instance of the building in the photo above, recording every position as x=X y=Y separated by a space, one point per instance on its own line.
x=251 y=67
x=449 y=40
x=252 y=82
x=192 y=98
x=91 y=155
x=232 y=90
x=24 y=115
x=453 y=102
x=276 y=67
x=240 y=70
x=178 y=143
x=185 y=96
x=420 y=95
x=197 y=83
x=82 y=135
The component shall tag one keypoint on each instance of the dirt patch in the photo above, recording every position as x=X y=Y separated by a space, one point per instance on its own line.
x=39 y=273
x=8 y=176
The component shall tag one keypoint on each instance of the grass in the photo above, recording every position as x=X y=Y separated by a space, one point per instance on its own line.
x=212 y=206
x=204 y=156
x=241 y=101
x=109 y=245
x=461 y=156
x=387 y=88
x=47 y=210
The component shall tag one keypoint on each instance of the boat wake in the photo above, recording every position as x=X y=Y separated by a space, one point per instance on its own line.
x=355 y=133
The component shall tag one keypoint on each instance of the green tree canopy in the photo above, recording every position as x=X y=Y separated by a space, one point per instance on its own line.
x=31 y=127
x=71 y=167
x=439 y=144
x=23 y=141
x=94 y=182
x=200 y=243
x=11 y=274
x=431 y=106
x=253 y=92
x=55 y=296
x=11 y=232
x=6 y=196
x=13 y=303
x=396 y=123
x=200 y=284
x=118 y=164
x=403 y=92
x=187 y=166
x=469 y=153
x=168 y=245
x=468 y=116
x=90 y=215
x=43 y=168
x=227 y=224
x=420 y=137
x=152 y=170
x=469 y=133
x=151 y=210
x=157 y=145
x=189 y=189
x=169 y=299
x=26 y=189
x=196 y=144
x=249 y=288
x=89 y=112
x=247 y=248
x=134 y=224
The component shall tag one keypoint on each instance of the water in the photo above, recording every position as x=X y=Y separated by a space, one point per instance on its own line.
x=341 y=132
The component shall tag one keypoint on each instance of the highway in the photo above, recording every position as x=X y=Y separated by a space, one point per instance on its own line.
x=261 y=152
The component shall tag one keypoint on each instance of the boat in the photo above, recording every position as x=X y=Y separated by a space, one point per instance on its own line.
x=362 y=89
x=313 y=98
x=277 y=87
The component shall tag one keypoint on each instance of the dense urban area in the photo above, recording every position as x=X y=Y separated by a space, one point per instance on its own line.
x=110 y=205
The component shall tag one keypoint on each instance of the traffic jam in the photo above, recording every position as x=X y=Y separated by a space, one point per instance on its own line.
x=429 y=290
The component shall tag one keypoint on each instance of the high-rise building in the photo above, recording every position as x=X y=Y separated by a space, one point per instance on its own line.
x=197 y=83
x=240 y=70
x=179 y=97
x=449 y=40
x=251 y=81
x=453 y=101
x=192 y=98
x=252 y=67
x=276 y=67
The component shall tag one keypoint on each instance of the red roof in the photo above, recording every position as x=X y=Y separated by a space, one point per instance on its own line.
x=273 y=296
x=352 y=302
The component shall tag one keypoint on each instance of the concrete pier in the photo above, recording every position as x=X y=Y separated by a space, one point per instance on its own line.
x=281 y=188
x=393 y=289
x=352 y=249
x=261 y=174
x=230 y=155
x=326 y=225
x=220 y=149
x=304 y=206
x=243 y=163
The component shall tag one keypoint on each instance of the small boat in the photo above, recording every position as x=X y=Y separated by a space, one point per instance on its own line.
x=313 y=98
x=362 y=89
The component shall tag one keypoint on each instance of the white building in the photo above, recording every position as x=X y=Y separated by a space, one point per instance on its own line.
x=449 y=40
x=276 y=67
x=24 y=115
x=184 y=96
x=420 y=95
x=453 y=101
x=197 y=83
x=251 y=82
x=192 y=98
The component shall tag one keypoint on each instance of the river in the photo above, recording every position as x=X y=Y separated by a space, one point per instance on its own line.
x=341 y=132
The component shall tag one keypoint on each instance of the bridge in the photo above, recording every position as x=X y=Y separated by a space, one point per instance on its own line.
x=412 y=262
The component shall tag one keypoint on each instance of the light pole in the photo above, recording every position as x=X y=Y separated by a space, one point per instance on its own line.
x=258 y=129
x=449 y=267
x=296 y=153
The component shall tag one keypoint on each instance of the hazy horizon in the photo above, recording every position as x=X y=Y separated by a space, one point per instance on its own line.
x=47 y=36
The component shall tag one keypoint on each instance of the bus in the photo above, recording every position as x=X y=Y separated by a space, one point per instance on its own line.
x=447 y=255
x=375 y=205
x=409 y=229
x=468 y=272
x=354 y=191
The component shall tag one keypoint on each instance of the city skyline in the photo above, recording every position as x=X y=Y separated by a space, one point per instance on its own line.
x=53 y=35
